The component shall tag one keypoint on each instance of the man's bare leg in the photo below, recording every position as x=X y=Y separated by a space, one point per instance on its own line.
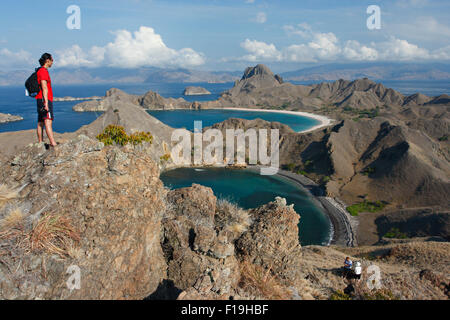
x=40 y=131
x=49 y=131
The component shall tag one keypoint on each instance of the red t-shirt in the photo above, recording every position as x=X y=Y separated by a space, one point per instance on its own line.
x=43 y=74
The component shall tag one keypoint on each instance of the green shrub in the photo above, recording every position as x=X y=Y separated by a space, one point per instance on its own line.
x=381 y=294
x=114 y=134
x=443 y=138
x=368 y=171
x=395 y=233
x=165 y=157
x=139 y=137
x=325 y=179
x=366 y=206
x=339 y=295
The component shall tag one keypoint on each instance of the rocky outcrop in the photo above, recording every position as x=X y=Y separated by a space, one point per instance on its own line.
x=4 y=118
x=95 y=208
x=115 y=97
x=152 y=100
x=195 y=91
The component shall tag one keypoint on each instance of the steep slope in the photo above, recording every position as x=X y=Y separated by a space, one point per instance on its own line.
x=388 y=162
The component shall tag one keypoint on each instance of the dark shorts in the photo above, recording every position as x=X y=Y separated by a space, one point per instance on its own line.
x=42 y=113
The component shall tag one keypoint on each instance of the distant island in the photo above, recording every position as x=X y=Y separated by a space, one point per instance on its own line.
x=77 y=99
x=4 y=118
x=195 y=91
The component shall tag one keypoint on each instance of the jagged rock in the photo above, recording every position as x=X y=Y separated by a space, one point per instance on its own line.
x=113 y=200
x=271 y=240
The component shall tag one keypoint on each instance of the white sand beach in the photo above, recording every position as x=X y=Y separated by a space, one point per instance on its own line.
x=324 y=121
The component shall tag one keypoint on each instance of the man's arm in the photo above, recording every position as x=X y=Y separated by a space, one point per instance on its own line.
x=45 y=93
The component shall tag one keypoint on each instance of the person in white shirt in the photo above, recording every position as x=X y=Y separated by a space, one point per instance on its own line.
x=358 y=270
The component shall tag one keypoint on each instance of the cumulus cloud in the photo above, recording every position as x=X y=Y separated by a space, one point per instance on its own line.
x=318 y=46
x=259 y=50
x=131 y=50
x=20 y=58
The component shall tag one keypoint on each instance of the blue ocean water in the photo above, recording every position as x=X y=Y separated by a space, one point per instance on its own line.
x=186 y=118
x=14 y=101
x=249 y=190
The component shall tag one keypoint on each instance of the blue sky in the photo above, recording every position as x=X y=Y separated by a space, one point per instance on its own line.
x=223 y=34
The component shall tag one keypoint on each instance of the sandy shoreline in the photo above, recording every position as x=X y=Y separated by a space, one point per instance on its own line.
x=343 y=231
x=324 y=121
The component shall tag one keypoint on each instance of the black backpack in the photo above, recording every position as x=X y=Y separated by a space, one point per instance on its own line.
x=32 y=84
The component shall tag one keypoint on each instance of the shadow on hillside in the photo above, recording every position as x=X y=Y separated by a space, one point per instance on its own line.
x=336 y=271
x=166 y=291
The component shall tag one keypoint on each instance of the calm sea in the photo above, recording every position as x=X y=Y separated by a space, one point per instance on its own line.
x=14 y=101
x=250 y=190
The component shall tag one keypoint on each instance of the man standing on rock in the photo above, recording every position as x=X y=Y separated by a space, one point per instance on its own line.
x=45 y=100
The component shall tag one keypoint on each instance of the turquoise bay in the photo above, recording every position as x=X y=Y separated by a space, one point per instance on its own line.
x=185 y=118
x=249 y=189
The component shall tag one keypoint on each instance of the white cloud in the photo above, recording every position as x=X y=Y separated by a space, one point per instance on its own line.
x=260 y=51
x=20 y=58
x=400 y=50
x=76 y=57
x=354 y=51
x=131 y=50
x=319 y=46
x=261 y=17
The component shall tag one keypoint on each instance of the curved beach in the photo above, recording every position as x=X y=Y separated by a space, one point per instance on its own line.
x=324 y=121
x=343 y=227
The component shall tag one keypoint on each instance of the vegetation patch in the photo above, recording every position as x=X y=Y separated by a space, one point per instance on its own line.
x=365 y=113
x=340 y=295
x=260 y=282
x=114 y=134
x=366 y=206
x=367 y=171
x=165 y=157
x=443 y=138
x=395 y=233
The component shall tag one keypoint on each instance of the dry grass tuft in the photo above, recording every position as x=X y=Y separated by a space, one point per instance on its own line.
x=260 y=282
x=13 y=220
x=12 y=227
x=6 y=195
x=231 y=217
x=54 y=233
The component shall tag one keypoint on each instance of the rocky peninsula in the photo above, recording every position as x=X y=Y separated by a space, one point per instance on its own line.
x=4 y=118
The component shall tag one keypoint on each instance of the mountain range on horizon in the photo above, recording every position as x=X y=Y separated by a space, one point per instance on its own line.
x=326 y=72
